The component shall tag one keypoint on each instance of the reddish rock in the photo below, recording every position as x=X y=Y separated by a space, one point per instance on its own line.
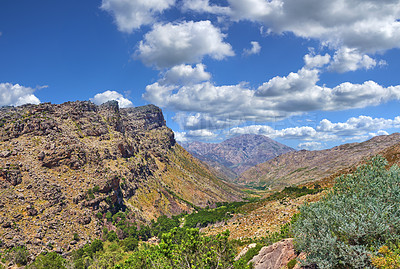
x=275 y=256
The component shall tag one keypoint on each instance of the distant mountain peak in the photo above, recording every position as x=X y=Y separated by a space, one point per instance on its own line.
x=237 y=154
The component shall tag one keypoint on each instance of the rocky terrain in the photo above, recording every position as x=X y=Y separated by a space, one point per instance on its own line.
x=61 y=165
x=235 y=155
x=308 y=166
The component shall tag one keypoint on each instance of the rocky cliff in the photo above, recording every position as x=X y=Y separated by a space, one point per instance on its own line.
x=234 y=156
x=60 y=165
x=309 y=166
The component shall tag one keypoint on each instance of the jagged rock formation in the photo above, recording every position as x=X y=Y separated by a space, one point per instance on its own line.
x=235 y=155
x=307 y=166
x=62 y=164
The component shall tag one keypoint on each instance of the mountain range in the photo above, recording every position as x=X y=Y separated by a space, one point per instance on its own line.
x=232 y=157
x=63 y=165
x=304 y=166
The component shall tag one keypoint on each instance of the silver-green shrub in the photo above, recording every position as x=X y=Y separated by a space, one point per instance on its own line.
x=360 y=214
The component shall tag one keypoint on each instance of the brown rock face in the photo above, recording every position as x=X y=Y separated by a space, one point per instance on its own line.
x=60 y=165
x=275 y=256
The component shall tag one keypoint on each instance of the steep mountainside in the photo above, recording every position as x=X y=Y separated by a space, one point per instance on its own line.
x=305 y=166
x=235 y=155
x=60 y=165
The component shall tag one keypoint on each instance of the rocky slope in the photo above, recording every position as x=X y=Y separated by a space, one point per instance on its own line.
x=60 y=165
x=235 y=155
x=307 y=166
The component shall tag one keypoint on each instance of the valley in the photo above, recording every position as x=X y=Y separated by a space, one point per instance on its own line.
x=92 y=185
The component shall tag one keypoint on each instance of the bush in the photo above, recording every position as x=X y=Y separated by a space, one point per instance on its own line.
x=184 y=248
x=112 y=236
x=19 y=255
x=50 y=260
x=359 y=215
x=130 y=244
x=387 y=258
x=291 y=264
x=76 y=237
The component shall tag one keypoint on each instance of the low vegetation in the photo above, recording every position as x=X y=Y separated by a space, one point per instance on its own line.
x=360 y=215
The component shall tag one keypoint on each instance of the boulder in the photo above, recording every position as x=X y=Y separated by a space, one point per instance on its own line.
x=275 y=256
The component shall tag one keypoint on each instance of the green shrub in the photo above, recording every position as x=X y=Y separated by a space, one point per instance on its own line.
x=130 y=244
x=99 y=215
x=112 y=236
x=76 y=237
x=291 y=264
x=109 y=216
x=19 y=255
x=359 y=215
x=183 y=248
x=50 y=260
x=242 y=262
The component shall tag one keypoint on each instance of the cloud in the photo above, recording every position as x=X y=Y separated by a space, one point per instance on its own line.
x=305 y=133
x=16 y=95
x=203 y=6
x=363 y=27
x=170 y=44
x=310 y=145
x=255 y=49
x=203 y=135
x=346 y=59
x=185 y=74
x=313 y=61
x=368 y=26
x=130 y=15
x=196 y=121
x=103 y=97
x=360 y=128
x=276 y=99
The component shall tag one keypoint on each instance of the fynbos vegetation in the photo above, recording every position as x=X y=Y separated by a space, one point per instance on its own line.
x=359 y=216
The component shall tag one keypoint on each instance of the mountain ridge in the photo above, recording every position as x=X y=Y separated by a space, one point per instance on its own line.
x=63 y=167
x=304 y=166
x=237 y=154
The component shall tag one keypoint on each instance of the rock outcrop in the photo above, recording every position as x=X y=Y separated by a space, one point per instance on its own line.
x=63 y=165
x=276 y=256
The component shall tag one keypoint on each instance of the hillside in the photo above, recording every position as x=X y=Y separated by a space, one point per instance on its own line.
x=235 y=155
x=307 y=166
x=62 y=165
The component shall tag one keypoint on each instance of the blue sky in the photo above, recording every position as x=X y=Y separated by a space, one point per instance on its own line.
x=311 y=74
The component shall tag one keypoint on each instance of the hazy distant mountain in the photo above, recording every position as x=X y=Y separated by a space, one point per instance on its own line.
x=306 y=166
x=235 y=155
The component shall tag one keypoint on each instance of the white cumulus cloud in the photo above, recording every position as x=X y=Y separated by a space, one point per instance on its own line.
x=203 y=6
x=16 y=95
x=276 y=99
x=132 y=14
x=310 y=145
x=313 y=61
x=203 y=135
x=103 y=97
x=368 y=26
x=185 y=74
x=170 y=44
x=255 y=49
x=355 y=128
x=346 y=59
